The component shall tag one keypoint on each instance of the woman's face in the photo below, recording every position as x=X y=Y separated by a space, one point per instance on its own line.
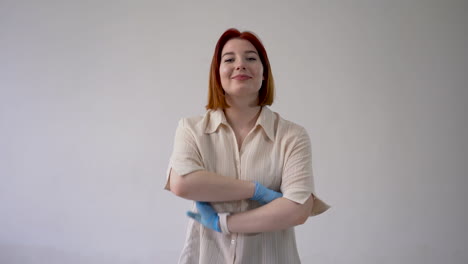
x=241 y=70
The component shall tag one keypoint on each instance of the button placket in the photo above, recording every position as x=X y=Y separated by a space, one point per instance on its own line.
x=236 y=149
x=233 y=247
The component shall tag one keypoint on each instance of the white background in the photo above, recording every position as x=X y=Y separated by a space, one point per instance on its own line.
x=91 y=92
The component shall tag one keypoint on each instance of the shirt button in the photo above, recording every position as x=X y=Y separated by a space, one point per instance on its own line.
x=233 y=241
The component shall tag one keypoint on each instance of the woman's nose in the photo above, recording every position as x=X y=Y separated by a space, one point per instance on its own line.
x=240 y=67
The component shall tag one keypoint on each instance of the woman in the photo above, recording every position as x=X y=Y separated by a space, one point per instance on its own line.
x=248 y=169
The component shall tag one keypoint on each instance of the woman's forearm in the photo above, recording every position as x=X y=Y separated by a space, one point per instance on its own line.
x=209 y=186
x=280 y=214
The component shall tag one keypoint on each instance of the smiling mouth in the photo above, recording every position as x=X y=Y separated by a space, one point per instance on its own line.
x=241 y=77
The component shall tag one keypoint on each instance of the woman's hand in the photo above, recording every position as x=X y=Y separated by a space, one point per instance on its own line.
x=206 y=216
x=263 y=195
x=209 y=218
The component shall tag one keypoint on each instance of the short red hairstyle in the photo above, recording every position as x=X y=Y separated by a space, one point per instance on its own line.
x=216 y=98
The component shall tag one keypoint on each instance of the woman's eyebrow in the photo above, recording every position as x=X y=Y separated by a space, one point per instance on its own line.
x=251 y=51
x=227 y=53
x=246 y=52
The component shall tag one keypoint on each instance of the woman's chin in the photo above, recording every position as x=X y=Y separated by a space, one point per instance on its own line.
x=243 y=92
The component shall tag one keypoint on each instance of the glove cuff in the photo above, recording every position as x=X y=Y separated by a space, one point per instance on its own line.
x=256 y=195
x=223 y=223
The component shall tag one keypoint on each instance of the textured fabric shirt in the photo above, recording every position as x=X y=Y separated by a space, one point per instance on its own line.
x=276 y=153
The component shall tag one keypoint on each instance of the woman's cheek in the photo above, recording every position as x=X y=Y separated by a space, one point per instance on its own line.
x=224 y=70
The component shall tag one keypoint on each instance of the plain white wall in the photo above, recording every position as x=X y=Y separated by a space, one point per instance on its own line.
x=91 y=92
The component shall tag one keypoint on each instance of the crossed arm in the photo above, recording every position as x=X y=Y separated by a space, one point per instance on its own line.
x=279 y=214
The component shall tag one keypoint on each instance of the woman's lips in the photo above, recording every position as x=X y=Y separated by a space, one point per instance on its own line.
x=241 y=77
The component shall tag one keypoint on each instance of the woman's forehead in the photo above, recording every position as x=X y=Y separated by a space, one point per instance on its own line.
x=236 y=45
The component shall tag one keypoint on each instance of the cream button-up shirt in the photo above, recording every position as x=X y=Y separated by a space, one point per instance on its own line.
x=276 y=153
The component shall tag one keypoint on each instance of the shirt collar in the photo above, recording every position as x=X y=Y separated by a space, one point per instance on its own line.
x=267 y=121
x=214 y=118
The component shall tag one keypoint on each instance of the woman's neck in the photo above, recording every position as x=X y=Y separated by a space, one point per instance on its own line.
x=242 y=115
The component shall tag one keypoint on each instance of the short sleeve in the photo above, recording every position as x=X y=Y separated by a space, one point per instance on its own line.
x=297 y=180
x=186 y=157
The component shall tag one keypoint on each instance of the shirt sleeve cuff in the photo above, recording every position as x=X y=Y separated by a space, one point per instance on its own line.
x=181 y=172
x=301 y=195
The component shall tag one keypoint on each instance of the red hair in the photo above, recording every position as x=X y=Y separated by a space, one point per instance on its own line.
x=216 y=98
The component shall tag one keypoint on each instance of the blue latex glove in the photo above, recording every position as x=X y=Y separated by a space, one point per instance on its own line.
x=263 y=195
x=206 y=216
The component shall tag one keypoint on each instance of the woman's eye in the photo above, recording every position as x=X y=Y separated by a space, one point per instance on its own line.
x=228 y=60
x=251 y=59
